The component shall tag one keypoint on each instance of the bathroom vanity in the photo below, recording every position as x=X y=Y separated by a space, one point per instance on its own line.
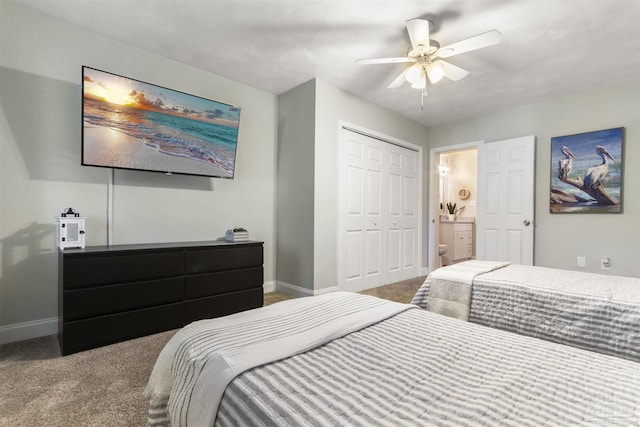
x=458 y=236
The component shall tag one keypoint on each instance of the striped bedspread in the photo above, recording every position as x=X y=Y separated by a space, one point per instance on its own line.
x=418 y=368
x=591 y=311
x=194 y=368
x=424 y=369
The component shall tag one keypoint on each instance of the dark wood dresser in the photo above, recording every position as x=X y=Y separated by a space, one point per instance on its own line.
x=108 y=294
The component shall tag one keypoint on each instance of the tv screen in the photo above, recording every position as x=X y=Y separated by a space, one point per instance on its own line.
x=129 y=124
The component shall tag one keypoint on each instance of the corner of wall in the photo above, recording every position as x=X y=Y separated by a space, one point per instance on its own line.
x=295 y=184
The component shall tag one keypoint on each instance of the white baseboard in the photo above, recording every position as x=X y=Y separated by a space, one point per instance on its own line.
x=269 y=286
x=326 y=290
x=297 y=291
x=293 y=290
x=28 y=330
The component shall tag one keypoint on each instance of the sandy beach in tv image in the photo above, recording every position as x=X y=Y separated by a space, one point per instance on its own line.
x=134 y=125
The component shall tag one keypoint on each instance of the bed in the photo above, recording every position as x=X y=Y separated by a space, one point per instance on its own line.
x=356 y=360
x=592 y=311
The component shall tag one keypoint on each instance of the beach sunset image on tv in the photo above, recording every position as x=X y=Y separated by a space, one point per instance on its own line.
x=130 y=124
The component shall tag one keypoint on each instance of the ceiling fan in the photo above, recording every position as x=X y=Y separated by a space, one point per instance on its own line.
x=426 y=56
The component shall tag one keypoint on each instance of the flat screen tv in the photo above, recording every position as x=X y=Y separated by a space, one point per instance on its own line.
x=129 y=124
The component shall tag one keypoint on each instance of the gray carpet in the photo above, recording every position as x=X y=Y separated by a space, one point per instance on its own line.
x=99 y=387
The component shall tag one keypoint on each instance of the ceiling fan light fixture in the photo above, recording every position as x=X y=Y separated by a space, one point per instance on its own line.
x=413 y=73
x=419 y=84
x=427 y=57
x=435 y=72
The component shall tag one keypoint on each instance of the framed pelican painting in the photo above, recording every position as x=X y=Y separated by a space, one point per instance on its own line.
x=586 y=172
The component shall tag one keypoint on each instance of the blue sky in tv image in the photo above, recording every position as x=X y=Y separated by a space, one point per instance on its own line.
x=158 y=128
x=583 y=147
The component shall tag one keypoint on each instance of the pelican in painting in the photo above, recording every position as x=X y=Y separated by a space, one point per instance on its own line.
x=596 y=173
x=565 y=165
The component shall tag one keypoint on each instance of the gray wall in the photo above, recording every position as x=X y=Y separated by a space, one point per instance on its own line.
x=40 y=172
x=560 y=238
x=294 y=238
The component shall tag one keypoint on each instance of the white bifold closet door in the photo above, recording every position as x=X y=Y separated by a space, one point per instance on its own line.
x=379 y=200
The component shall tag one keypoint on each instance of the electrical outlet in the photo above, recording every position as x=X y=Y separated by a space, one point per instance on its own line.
x=581 y=262
x=605 y=263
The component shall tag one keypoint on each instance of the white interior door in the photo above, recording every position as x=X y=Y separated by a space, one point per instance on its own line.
x=379 y=213
x=401 y=223
x=361 y=194
x=505 y=209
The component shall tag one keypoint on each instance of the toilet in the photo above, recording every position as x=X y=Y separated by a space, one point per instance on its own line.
x=442 y=249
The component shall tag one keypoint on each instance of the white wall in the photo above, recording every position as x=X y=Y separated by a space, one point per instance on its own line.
x=560 y=238
x=40 y=173
x=463 y=172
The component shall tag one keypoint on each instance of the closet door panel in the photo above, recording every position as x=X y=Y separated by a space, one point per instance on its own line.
x=361 y=196
x=403 y=213
x=378 y=234
x=394 y=248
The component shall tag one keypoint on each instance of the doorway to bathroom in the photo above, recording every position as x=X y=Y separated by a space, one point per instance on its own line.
x=503 y=201
x=454 y=220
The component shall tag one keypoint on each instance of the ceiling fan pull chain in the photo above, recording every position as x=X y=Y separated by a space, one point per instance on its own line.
x=424 y=93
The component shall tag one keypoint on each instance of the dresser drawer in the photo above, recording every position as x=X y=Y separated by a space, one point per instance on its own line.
x=223 y=282
x=79 y=272
x=200 y=261
x=88 y=302
x=90 y=333
x=222 y=305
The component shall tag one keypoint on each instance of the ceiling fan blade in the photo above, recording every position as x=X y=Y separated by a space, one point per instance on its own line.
x=418 y=30
x=397 y=82
x=385 y=60
x=452 y=72
x=472 y=43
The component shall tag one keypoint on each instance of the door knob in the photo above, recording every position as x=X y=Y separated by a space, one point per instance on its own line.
x=526 y=222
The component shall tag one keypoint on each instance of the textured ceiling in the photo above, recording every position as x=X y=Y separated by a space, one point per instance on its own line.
x=549 y=48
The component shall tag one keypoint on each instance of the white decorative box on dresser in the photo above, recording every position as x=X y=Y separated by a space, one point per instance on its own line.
x=458 y=236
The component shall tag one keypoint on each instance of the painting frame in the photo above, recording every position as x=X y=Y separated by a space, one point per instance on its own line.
x=587 y=172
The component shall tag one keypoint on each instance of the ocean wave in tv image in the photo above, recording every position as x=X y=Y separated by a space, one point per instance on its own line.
x=171 y=136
